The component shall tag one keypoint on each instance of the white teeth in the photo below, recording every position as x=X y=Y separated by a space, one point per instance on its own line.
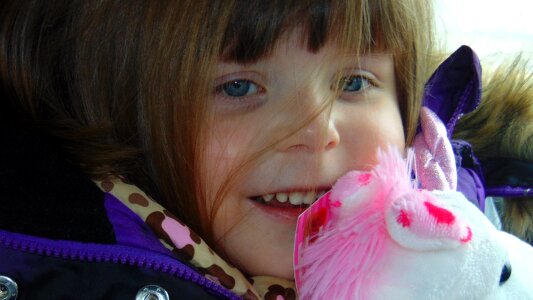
x=296 y=198
x=309 y=197
x=282 y=197
x=268 y=197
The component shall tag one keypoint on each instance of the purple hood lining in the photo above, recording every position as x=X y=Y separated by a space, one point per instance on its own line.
x=454 y=88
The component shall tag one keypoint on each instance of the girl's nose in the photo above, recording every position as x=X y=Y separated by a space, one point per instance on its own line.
x=317 y=135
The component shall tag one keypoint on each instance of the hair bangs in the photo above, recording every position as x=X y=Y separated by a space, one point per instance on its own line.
x=255 y=27
x=381 y=25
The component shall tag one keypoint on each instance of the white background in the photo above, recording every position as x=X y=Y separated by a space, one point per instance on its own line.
x=489 y=26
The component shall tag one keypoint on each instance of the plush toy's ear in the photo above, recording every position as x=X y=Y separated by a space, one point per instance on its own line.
x=419 y=220
x=434 y=159
x=454 y=88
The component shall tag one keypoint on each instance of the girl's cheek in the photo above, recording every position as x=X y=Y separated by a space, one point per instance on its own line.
x=225 y=156
x=225 y=151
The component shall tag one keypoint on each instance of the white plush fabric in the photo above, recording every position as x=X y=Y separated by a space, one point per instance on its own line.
x=469 y=271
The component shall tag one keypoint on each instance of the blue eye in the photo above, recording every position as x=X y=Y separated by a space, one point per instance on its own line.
x=354 y=83
x=238 y=88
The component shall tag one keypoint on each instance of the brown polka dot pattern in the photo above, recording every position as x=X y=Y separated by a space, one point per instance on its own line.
x=107 y=186
x=186 y=253
x=277 y=290
x=138 y=199
x=196 y=238
x=249 y=295
x=226 y=280
x=155 y=221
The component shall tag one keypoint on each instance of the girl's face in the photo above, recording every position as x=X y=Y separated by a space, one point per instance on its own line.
x=260 y=104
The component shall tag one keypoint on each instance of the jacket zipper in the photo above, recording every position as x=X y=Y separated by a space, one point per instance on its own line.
x=118 y=254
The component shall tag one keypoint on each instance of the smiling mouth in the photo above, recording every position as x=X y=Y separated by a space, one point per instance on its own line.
x=289 y=200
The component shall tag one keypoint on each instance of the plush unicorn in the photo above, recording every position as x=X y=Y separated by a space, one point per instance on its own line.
x=376 y=235
x=380 y=234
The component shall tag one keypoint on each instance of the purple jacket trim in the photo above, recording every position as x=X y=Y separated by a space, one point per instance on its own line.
x=129 y=229
x=508 y=191
x=117 y=254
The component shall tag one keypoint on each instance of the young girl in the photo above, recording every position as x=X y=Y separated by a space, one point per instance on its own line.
x=133 y=128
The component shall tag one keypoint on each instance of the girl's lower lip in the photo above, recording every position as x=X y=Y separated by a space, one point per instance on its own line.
x=285 y=214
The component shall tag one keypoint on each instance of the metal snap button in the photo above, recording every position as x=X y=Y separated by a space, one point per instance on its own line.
x=8 y=288
x=152 y=292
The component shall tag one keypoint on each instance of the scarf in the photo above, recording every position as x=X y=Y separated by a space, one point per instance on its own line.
x=188 y=246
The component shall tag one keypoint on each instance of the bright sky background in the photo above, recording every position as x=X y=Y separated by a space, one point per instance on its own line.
x=488 y=26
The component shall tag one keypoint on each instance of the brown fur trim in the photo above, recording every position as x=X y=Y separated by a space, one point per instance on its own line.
x=517 y=217
x=502 y=127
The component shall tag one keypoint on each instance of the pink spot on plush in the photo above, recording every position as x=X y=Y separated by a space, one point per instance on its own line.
x=280 y=297
x=336 y=204
x=403 y=219
x=364 y=179
x=440 y=214
x=468 y=237
x=178 y=233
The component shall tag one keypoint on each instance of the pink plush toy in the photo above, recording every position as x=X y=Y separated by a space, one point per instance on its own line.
x=375 y=235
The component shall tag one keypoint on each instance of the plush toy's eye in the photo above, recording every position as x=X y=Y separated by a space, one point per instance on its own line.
x=506 y=273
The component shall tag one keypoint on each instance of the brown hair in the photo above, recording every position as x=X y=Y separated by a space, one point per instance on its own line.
x=124 y=85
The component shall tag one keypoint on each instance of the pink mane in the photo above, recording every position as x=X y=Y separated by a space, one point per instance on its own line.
x=343 y=255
